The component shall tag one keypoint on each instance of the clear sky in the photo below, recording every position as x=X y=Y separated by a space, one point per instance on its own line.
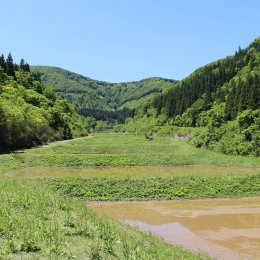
x=126 y=40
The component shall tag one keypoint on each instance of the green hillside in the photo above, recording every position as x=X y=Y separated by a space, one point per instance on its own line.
x=31 y=113
x=221 y=99
x=97 y=98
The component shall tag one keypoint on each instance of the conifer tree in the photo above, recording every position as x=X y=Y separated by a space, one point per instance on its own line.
x=2 y=61
x=26 y=67
x=16 y=67
x=22 y=64
x=10 y=65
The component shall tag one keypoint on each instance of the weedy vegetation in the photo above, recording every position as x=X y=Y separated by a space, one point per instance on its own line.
x=46 y=217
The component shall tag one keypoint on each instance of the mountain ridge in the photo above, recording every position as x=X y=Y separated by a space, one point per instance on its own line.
x=92 y=95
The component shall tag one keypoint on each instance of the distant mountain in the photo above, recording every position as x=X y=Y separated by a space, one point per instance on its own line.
x=98 y=98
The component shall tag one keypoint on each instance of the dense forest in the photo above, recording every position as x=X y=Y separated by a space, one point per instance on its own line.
x=102 y=100
x=221 y=98
x=31 y=113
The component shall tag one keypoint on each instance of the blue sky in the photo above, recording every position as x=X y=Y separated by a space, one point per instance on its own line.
x=126 y=40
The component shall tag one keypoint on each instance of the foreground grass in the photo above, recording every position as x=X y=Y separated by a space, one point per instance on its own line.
x=38 y=222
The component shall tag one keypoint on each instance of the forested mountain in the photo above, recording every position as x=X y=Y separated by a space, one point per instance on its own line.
x=31 y=113
x=101 y=99
x=223 y=98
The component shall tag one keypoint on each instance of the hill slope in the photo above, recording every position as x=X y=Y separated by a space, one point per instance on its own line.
x=30 y=113
x=92 y=97
x=222 y=98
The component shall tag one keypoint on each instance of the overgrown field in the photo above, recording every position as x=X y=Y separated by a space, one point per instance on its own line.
x=38 y=222
x=120 y=149
x=146 y=188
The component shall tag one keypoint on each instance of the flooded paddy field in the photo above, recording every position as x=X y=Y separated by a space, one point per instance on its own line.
x=222 y=228
x=132 y=171
x=120 y=167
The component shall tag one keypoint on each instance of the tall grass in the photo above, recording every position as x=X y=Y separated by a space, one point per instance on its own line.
x=38 y=223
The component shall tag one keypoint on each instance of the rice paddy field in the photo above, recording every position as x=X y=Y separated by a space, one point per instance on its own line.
x=43 y=192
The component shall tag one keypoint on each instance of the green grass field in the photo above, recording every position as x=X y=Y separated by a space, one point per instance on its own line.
x=41 y=215
x=120 y=149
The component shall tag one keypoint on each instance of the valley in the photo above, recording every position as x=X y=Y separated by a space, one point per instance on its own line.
x=87 y=165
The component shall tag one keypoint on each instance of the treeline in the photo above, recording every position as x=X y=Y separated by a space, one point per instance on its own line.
x=9 y=67
x=111 y=116
x=31 y=113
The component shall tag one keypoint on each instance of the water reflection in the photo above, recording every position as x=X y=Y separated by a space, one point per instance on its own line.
x=224 y=228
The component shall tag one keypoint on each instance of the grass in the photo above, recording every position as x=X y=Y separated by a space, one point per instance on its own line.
x=38 y=222
x=147 y=188
x=120 y=149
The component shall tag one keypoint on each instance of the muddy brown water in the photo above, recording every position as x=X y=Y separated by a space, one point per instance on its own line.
x=222 y=228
